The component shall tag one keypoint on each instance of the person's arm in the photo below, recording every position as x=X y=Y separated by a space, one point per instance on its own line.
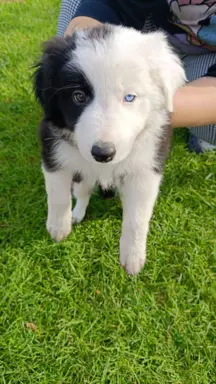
x=195 y=104
x=81 y=22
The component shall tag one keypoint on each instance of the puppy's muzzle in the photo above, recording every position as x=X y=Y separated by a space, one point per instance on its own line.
x=103 y=152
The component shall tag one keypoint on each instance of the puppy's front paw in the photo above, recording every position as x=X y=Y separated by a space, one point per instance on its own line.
x=59 y=229
x=132 y=257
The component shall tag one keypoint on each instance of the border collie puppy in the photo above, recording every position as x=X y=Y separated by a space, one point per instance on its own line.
x=107 y=93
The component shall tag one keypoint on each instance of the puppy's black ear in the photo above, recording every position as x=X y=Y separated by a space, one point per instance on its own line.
x=47 y=76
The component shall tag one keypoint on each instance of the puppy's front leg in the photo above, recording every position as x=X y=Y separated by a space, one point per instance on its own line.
x=138 y=198
x=82 y=193
x=58 y=187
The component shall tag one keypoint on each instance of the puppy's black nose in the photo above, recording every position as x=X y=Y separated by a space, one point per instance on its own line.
x=103 y=152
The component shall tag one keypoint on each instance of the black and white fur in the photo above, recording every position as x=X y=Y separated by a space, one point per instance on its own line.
x=81 y=83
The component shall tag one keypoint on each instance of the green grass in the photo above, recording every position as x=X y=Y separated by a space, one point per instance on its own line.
x=95 y=324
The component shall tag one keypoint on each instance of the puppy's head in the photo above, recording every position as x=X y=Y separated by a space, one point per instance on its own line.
x=105 y=84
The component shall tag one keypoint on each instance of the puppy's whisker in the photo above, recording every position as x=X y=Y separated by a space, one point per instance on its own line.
x=61 y=89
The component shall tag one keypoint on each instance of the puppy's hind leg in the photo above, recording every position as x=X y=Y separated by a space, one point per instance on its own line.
x=82 y=192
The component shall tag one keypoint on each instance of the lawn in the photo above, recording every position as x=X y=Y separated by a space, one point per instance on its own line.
x=68 y=313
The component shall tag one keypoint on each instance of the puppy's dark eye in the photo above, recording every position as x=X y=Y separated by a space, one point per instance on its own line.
x=79 y=97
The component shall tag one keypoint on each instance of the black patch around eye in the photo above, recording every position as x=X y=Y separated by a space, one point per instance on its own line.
x=47 y=75
x=73 y=81
x=56 y=77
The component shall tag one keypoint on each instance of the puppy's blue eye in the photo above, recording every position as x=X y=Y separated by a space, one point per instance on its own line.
x=129 y=98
